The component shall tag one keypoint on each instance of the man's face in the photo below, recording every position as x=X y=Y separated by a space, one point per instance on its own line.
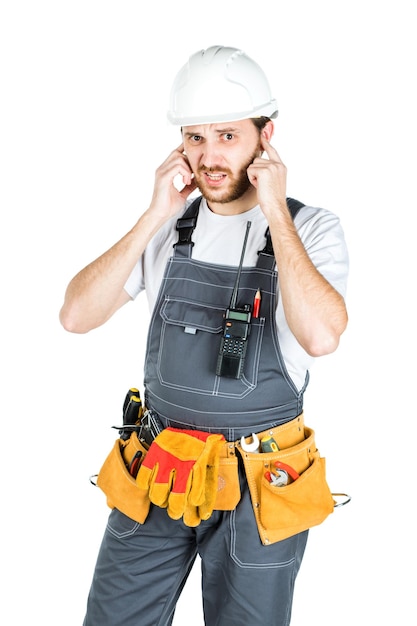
x=219 y=155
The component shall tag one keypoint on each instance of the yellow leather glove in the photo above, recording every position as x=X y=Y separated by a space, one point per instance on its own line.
x=180 y=471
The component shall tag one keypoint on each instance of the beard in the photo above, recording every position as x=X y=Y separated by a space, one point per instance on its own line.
x=238 y=183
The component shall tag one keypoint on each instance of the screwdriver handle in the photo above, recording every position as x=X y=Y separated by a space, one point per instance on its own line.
x=268 y=444
x=131 y=415
x=132 y=392
x=131 y=412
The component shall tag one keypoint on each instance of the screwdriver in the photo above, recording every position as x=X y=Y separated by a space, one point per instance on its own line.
x=268 y=444
x=132 y=392
x=131 y=412
x=134 y=464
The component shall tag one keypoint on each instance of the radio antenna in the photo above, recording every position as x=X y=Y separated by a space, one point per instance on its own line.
x=233 y=299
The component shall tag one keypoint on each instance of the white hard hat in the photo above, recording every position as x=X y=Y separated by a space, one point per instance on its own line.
x=220 y=85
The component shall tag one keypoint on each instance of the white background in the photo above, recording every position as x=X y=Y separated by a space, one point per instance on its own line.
x=84 y=92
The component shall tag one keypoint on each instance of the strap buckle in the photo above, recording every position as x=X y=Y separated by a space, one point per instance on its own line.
x=185 y=227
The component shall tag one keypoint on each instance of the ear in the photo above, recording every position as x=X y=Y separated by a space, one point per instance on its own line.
x=268 y=130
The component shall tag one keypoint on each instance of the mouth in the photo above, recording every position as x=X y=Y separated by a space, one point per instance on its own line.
x=214 y=178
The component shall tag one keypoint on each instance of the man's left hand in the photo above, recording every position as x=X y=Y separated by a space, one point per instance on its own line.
x=269 y=177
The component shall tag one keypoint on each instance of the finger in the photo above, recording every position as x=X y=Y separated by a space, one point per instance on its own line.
x=188 y=189
x=271 y=152
x=184 y=157
x=191 y=515
x=179 y=160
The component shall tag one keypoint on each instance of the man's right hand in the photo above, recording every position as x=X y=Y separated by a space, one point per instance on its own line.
x=167 y=200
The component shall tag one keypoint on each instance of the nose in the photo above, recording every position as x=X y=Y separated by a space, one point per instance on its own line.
x=211 y=156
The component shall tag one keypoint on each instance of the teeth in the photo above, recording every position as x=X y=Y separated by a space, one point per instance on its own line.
x=215 y=176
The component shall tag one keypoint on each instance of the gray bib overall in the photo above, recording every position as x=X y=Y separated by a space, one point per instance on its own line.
x=141 y=569
x=185 y=333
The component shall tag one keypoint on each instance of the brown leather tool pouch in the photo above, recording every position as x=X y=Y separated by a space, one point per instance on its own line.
x=228 y=490
x=283 y=511
x=120 y=487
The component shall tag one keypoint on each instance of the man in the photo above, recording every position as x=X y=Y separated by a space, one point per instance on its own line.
x=228 y=354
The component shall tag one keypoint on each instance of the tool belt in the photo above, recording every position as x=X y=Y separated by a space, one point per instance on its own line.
x=285 y=510
x=120 y=487
x=280 y=511
x=123 y=493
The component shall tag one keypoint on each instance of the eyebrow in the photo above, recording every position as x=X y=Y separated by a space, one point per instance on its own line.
x=220 y=131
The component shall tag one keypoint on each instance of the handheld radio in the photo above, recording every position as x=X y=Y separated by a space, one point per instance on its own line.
x=231 y=358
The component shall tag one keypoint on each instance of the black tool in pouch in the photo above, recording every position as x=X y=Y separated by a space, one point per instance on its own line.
x=138 y=419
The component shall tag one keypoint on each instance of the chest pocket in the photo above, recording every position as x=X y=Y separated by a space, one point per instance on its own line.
x=189 y=344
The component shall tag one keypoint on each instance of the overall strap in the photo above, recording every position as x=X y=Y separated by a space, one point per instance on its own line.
x=185 y=226
x=266 y=258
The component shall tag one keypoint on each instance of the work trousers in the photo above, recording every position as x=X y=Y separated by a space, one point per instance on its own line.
x=142 y=569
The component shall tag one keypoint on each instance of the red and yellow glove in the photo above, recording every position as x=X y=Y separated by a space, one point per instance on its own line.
x=180 y=470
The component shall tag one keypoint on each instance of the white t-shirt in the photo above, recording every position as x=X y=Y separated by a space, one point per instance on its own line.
x=219 y=239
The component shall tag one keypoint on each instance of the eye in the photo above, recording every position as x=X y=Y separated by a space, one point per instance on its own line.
x=228 y=136
x=195 y=138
